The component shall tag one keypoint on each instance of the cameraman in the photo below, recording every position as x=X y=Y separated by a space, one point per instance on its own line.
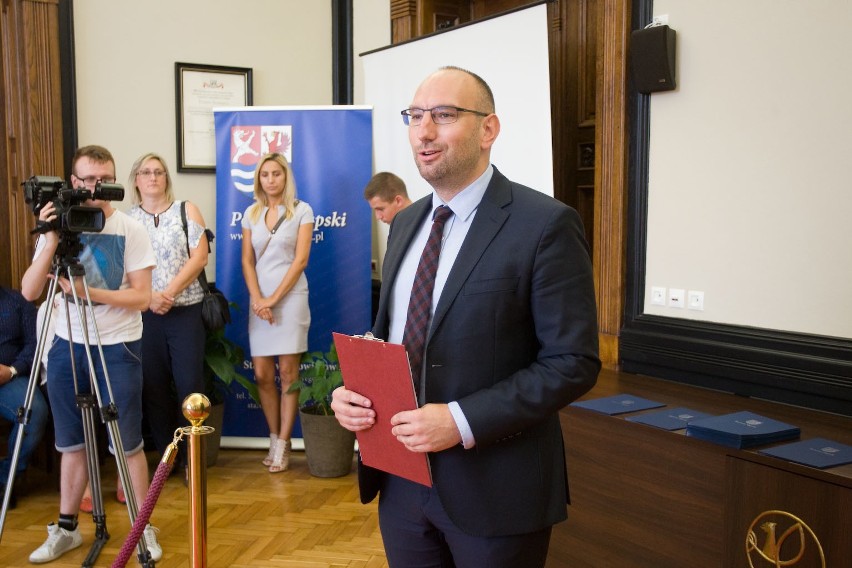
x=118 y=262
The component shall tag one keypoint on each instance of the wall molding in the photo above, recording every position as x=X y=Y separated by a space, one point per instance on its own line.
x=799 y=369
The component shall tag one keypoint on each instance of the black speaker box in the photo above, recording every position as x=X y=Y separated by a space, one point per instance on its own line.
x=652 y=59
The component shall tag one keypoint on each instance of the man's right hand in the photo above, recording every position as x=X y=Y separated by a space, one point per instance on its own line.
x=352 y=410
x=48 y=215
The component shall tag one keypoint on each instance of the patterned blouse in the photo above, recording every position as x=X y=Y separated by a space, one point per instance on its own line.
x=169 y=242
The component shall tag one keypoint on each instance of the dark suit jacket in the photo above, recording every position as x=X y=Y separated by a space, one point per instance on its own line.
x=513 y=340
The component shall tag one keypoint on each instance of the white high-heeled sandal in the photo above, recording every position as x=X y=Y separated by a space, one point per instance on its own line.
x=273 y=439
x=281 y=458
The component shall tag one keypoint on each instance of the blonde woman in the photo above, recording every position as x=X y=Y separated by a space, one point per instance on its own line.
x=277 y=231
x=173 y=333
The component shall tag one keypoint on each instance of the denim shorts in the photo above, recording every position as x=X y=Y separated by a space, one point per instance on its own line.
x=124 y=365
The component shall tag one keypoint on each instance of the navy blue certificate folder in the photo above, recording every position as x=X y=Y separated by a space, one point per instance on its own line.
x=741 y=430
x=817 y=452
x=670 y=418
x=618 y=404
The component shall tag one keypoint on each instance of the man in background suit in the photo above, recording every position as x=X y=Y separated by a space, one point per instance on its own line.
x=512 y=339
x=387 y=196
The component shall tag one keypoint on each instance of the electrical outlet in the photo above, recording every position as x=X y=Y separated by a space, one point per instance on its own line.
x=658 y=296
x=661 y=20
x=676 y=297
x=695 y=300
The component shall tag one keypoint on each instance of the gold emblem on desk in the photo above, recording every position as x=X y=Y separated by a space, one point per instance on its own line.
x=778 y=538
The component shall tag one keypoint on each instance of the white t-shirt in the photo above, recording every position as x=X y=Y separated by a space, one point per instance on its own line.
x=123 y=246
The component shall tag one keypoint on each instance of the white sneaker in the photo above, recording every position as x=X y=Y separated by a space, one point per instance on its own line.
x=150 y=536
x=59 y=541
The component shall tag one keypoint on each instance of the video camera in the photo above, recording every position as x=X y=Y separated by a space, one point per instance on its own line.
x=71 y=217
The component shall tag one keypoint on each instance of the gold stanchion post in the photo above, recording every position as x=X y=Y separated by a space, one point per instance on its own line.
x=196 y=409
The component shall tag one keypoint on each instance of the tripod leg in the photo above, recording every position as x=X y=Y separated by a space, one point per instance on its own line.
x=109 y=415
x=22 y=420
x=25 y=411
x=86 y=402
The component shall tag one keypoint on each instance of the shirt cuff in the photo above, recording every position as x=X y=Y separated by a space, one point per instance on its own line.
x=468 y=440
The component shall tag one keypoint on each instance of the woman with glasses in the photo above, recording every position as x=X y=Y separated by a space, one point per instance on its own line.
x=277 y=231
x=173 y=335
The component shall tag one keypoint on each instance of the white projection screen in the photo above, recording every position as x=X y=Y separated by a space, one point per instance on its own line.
x=510 y=52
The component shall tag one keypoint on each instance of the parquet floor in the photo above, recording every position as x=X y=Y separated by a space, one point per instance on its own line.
x=254 y=518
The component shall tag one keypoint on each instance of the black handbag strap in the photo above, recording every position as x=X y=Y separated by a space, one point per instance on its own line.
x=202 y=278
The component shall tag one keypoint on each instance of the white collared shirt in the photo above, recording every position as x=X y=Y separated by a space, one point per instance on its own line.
x=464 y=206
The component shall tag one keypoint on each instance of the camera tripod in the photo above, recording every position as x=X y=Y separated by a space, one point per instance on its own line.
x=87 y=402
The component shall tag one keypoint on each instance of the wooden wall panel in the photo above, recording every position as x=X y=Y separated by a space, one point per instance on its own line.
x=613 y=25
x=403 y=15
x=32 y=133
x=9 y=165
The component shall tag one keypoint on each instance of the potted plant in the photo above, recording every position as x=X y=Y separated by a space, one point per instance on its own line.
x=329 y=447
x=222 y=357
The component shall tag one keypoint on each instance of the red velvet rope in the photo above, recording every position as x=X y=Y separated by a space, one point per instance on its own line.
x=154 y=490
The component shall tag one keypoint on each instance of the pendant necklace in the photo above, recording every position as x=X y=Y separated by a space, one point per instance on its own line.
x=156 y=216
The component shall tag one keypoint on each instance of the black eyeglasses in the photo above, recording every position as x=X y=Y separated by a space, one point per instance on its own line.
x=91 y=181
x=440 y=114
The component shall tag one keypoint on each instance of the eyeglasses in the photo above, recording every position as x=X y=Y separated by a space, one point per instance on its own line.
x=149 y=173
x=92 y=180
x=440 y=114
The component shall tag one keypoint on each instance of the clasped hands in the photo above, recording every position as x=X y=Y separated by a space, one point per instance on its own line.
x=430 y=428
x=161 y=303
x=262 y=308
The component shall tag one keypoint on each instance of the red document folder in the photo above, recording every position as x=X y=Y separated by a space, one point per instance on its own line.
x=380 y=372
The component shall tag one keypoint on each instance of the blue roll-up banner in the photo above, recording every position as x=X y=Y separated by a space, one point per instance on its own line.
x=331 y=151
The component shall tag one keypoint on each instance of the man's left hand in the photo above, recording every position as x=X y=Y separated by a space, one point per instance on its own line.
x=430 y=428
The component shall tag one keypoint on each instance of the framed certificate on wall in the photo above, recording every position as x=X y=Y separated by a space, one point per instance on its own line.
x=198 y=90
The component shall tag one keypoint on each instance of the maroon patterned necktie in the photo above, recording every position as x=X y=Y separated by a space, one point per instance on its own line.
x=420 y=304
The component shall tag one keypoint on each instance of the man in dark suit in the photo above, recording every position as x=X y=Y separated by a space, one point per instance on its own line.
x=512 y=339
